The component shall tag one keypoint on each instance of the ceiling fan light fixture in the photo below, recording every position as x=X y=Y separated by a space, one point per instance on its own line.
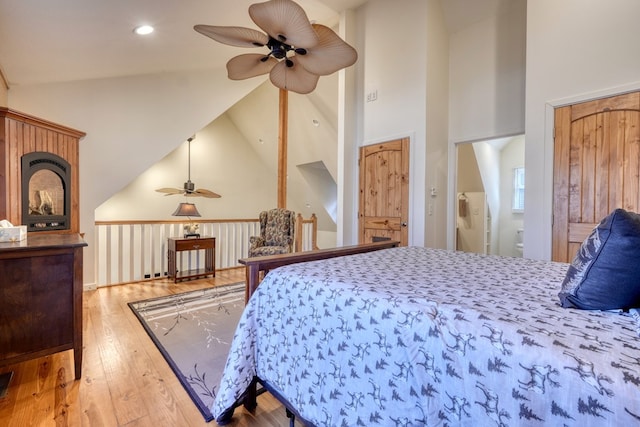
x=188 y=189
x=299 y=51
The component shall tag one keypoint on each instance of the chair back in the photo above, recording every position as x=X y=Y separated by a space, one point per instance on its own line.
x=277 y=227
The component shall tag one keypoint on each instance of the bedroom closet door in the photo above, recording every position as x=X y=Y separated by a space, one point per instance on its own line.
x=596 y=167
x=384 y=192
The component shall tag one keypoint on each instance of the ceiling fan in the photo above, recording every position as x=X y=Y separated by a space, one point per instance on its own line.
x=189 y=189
x=299 y=51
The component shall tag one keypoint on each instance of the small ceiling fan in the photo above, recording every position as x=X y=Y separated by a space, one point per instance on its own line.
x=189 y=189
x=299 y=52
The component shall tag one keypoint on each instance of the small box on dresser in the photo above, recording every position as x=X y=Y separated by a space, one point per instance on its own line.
x=13 y=234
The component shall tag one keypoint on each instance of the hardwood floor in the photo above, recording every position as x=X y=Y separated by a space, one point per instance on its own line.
x=125 y=380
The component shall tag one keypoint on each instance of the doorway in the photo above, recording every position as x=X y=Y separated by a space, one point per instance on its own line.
x=596 y=167
x=489 y=207
x=384 y=192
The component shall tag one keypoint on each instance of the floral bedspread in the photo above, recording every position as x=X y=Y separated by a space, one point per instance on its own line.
x=415 y=336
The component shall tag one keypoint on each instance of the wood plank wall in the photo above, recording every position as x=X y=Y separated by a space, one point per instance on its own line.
x=21 y=134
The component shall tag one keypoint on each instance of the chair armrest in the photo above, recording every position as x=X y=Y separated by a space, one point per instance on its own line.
x=256 y=241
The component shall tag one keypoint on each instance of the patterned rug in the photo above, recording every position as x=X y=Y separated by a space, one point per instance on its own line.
x=193 y=331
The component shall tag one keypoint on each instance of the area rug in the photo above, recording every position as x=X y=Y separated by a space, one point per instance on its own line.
x=193 y=331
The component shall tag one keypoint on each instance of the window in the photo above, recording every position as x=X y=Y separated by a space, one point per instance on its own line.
x=518 y=190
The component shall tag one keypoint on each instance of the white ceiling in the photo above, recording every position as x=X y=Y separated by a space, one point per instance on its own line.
x=45 y=41
x=62 y=40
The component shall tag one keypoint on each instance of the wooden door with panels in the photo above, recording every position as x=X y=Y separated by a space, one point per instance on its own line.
x=596 y=167
x=384 y=192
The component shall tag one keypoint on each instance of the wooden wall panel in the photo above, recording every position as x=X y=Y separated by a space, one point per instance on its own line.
x=22 y=134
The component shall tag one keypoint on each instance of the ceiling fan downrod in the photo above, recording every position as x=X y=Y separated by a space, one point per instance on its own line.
x=189 y=186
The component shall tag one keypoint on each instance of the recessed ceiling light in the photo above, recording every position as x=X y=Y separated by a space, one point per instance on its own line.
x=143 y=30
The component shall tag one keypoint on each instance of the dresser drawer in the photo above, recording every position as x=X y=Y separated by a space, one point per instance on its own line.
x=194 y=244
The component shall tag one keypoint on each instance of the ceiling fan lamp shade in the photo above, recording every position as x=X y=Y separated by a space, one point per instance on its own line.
x=234 y=36
x=330 y=55
x=186 y=209
x=285 y=21
x=294 y=78
x=249 y=65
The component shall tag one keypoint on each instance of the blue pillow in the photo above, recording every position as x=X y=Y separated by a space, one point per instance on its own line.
x=605 y=273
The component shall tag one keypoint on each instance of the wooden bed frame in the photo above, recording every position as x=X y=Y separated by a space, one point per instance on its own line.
x=255 y=265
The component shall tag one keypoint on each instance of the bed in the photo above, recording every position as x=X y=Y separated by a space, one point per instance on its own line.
x=415 y=336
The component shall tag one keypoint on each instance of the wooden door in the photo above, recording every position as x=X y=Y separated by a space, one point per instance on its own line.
x=596 y=167
x=384 y=192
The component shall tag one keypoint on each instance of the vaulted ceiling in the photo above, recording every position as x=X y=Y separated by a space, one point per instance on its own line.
x=67 y=40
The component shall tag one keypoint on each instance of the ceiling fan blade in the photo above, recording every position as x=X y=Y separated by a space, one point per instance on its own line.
x=169 y=191
x=294 y=78
x=207 y=193
x=285 y=21
x=234 y=36
x=249 y=65
x=330 y=55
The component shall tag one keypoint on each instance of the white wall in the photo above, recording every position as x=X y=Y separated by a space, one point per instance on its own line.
x=487 y=84
x=576 y=50
x=511 y=156
x=394 y=66
x=221 y=161
x=4 y=91
x=131 y=123
x=472 y=226
x=488 y=158
x=487 y=76
x=256 y=119
x=437 y=119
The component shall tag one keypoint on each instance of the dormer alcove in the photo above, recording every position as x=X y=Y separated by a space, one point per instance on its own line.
x=51 y=148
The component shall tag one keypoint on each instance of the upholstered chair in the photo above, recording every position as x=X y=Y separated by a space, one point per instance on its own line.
x=276 y=233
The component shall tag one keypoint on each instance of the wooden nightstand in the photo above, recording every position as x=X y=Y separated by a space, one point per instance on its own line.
x=177 y=245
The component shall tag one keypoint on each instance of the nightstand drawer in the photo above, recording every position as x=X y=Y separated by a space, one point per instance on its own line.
x=194 y=244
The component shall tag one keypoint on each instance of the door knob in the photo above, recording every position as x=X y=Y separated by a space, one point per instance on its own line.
x=404 y=223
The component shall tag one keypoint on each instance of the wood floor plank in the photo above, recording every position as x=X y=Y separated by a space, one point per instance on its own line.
x=94 y=402
x=125 y=396
x=65 y=386
x=25 y=388
x=125 y=380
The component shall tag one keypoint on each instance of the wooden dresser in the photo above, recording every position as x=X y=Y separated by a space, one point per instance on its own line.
x=41 y=298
